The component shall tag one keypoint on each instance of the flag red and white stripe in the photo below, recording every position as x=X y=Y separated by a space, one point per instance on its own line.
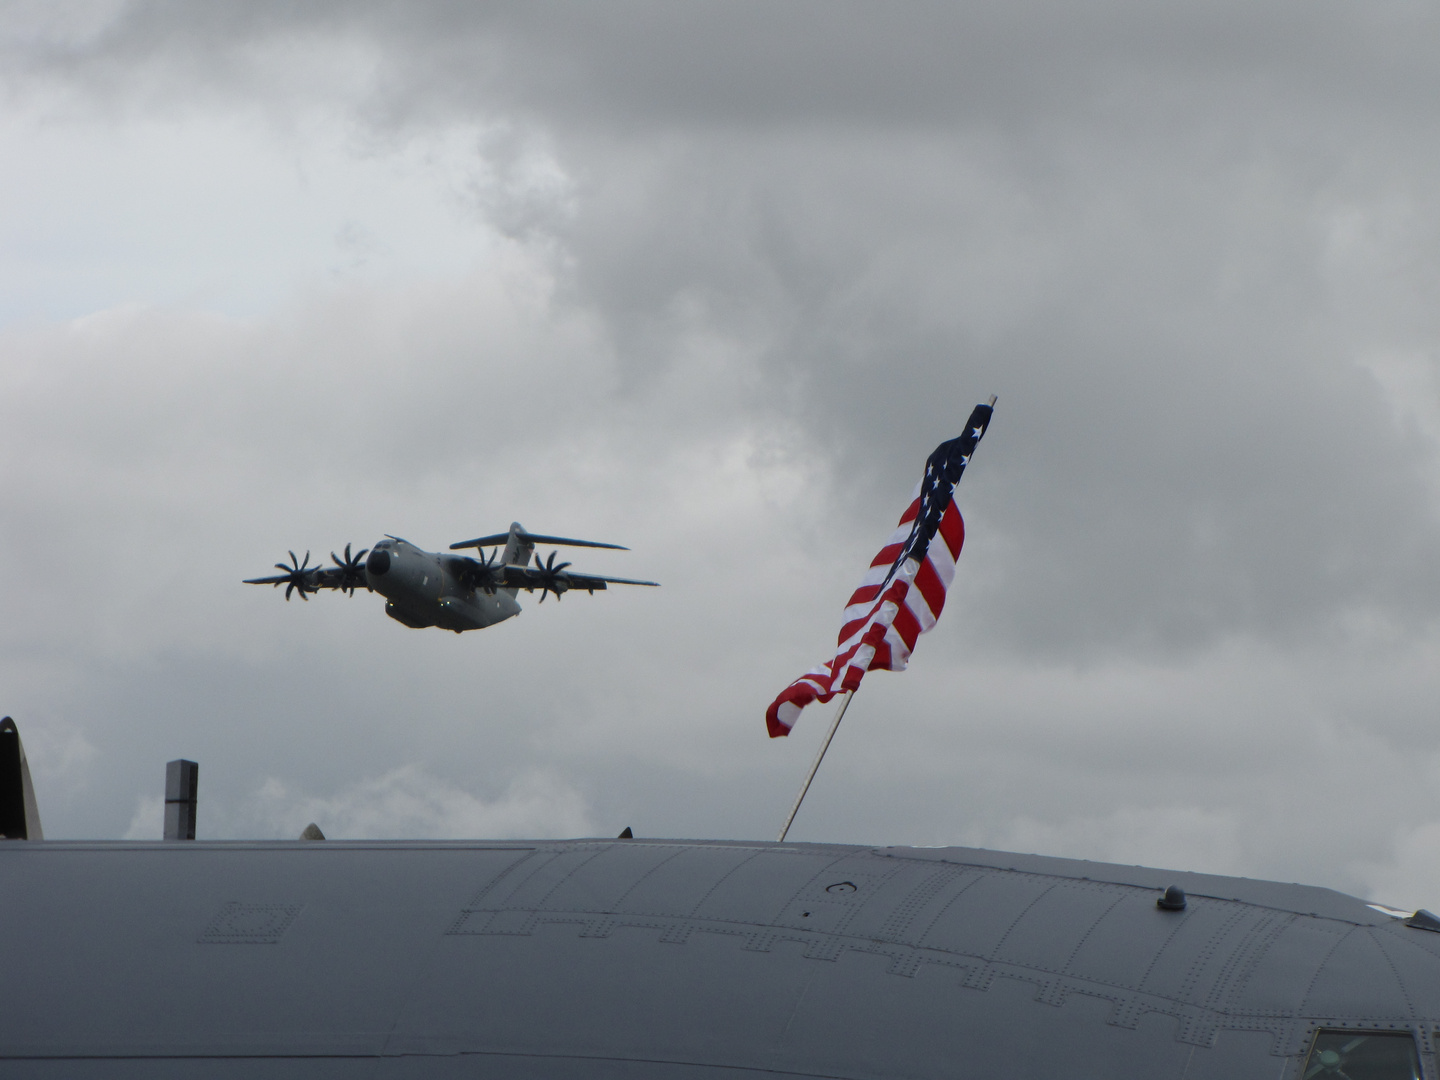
x=904 y=590
x=879 y=629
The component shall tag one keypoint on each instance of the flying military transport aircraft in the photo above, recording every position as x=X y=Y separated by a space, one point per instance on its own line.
x=598 y=959
x=454 y=592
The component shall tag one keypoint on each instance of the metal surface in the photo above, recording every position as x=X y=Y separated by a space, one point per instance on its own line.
x=660 y=959
x=19 y=814
x=182 y=797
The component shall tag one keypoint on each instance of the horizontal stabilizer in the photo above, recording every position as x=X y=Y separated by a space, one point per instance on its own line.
x=532 y=538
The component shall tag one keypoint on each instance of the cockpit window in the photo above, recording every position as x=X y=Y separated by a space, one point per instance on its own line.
x=1362 y=1055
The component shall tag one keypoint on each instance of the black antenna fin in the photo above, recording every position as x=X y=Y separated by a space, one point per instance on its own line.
x=19 y=815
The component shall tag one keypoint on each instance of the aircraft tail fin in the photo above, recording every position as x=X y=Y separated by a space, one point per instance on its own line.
x=19 y=816
x=519 y=546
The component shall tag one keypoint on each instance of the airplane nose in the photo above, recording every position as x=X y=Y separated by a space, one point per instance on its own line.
x=378 y=563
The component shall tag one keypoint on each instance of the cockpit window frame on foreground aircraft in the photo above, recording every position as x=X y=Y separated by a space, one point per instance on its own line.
x=452 y=592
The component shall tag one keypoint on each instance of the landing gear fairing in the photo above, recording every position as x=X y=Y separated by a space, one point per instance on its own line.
x=454 y=592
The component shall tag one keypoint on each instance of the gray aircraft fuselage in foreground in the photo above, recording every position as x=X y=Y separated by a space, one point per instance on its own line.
x=454 y=592
x=675 y=960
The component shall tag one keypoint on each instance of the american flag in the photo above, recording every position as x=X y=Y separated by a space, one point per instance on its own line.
x=904 y=590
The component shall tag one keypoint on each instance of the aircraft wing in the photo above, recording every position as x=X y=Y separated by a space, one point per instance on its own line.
x=347 y=575
x=531 y=578
x=322 y=577
x=278 y=579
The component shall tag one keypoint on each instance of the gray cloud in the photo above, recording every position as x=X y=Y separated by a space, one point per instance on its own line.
x=727 y=273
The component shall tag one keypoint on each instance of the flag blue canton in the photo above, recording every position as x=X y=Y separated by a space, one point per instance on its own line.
x=943 y=469
x=903 y=591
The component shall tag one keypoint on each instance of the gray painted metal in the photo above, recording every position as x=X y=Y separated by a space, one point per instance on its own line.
x=182 y=796
x=662 y=959
x=19 y=814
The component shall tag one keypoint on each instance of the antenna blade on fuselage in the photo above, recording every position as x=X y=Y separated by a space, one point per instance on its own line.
x=19 y=816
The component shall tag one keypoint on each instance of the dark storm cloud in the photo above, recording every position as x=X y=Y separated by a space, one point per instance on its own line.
x=764 y=258
x=751 y=63
x=1119 y=217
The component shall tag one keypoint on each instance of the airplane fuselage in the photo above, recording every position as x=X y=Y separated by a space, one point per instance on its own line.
x=427 y=588
x=440 y=588
x=689 y=960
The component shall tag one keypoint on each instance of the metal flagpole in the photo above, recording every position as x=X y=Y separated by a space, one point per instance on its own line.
x=834 y=727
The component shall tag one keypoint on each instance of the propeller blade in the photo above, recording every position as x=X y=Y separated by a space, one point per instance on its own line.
x=296 y=576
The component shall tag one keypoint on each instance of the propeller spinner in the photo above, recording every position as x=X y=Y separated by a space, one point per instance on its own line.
x=484 y=574
x=552 y=577
x=352 y=571
x=297 y=576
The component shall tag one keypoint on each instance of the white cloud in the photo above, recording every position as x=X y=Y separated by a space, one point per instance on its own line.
x=712 y=286
x=1407 y=875
x=405 y=803
x=61 y=756
x=1200 y=838
x=409 y=802
x=148 y=821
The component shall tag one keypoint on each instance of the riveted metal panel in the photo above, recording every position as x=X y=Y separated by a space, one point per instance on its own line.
x=977 y=919
x=924 y=904
x=937 y=1025
x=600 y=883
x=189 y=1068
x=758 y=889
x=679 y=884
x=250 y=924
x=296 y=949
x=1053 y=927
x=836 y=896
x=1281 y=979
x=1123 y=944
x=593 y=955
x=1195 y=957
x=1345 y=986
x=556 y=1067
x=528 y=885
x=1415 y=963
x=1300 y=899
x=888 y=894
x=703 y=998
x=1238 y=1055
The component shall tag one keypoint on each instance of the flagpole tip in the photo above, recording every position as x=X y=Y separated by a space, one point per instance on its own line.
x=993 y=399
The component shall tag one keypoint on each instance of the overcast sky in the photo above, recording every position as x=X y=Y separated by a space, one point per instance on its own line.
x=711 y=280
